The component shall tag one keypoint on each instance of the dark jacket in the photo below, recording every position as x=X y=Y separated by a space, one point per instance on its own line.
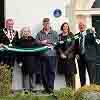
x=6 y=57
x=4 y=39
x=68 y=49
x=29 y=60
x=90 y=46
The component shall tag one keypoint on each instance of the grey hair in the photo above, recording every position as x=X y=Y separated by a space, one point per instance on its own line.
x=23 y=30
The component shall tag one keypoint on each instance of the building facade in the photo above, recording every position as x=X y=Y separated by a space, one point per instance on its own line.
x=87 y=11
x=30 y=13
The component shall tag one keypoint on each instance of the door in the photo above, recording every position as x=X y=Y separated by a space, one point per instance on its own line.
x=96 y=24
x=2 y=16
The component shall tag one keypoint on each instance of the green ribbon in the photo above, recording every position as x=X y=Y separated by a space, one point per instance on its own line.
x=75 y=37
x=36 y=49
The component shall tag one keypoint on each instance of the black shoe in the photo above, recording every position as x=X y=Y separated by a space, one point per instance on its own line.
x=45 y=91
x=50 y=91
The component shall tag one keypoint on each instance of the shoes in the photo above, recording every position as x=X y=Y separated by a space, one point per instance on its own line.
x=49 y=91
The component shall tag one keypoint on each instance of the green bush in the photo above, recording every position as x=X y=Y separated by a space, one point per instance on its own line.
x=29 y=96
x=64 y=94
x=85 y=93
x=5 y=80
x=91 y=92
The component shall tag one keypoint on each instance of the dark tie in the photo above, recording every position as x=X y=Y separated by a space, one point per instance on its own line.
x=81 y=44
x=10 y=35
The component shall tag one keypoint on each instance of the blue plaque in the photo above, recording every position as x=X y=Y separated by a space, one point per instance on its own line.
x=57 y=13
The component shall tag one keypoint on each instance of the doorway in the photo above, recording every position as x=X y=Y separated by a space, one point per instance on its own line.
x=96 y=24
x=2 y=13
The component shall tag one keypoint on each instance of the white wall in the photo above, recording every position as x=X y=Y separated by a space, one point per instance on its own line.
x=31 y=12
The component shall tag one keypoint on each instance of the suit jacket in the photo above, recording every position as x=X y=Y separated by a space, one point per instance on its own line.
x=4 y=39
x=90 y=46
x=7 y=57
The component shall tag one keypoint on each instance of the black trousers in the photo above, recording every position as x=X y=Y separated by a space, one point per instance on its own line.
x=83 y=64
x=70 y=80
x=38 y=78
x=28 y=81
x=9 y=60
x=48 y=66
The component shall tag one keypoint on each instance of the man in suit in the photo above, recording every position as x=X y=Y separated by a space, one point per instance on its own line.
x=8 y=36
x=87 y=54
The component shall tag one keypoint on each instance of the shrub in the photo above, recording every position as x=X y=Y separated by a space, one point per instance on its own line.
x=91 y=92
x=5 y=80
x=26 y=95
x=64 y=94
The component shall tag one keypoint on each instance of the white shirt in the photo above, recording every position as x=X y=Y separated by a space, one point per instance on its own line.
x=10 y=35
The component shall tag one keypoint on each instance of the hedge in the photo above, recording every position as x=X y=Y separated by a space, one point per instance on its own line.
x=91 y=92
x=62 y=94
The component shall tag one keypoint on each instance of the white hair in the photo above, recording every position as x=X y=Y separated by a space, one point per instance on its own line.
x=24 y=30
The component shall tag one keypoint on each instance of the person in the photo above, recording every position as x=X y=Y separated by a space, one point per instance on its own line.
x=67 y=57
x=87 y=54
x=9 y=37
x=48 y=37
x=27 y=61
